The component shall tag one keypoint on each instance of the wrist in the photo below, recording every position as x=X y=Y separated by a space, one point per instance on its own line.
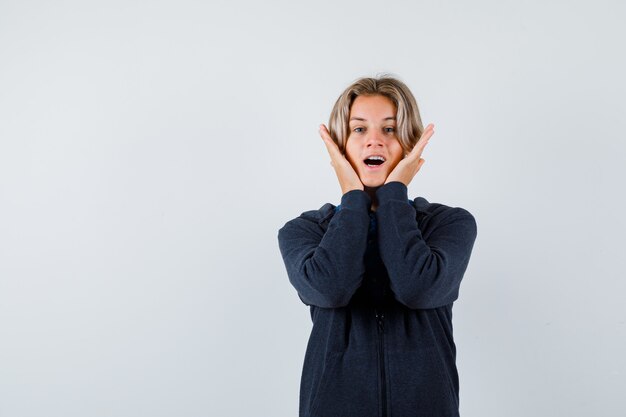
x=356 y=199
x=392 y=190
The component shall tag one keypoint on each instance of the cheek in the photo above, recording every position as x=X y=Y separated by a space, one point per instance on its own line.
x=397 y=160
x=393 y=165
x=349 y=153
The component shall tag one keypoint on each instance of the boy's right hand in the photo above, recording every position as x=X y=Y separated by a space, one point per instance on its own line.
x=348 y=178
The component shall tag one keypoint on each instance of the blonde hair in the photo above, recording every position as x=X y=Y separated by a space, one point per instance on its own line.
x=409 y=123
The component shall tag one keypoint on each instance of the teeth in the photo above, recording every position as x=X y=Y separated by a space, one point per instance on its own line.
x=378 y=157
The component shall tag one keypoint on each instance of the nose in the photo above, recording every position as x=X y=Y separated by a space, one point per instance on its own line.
x=374 y=139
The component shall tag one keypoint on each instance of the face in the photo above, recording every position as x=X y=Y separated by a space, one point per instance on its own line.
x=373 y=132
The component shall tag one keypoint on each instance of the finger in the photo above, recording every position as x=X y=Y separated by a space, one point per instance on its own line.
x=328 y=141
x=331 y=146
x=423 y=141
x=418 y=148
x=428 y=132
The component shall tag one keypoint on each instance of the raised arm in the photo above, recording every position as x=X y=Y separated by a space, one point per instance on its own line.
x=327 y=268
x=424 y=272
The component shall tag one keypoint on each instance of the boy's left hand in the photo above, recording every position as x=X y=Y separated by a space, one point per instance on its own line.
x=411 y=164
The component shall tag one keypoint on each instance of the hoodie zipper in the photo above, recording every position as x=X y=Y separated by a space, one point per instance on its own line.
x=380 y=316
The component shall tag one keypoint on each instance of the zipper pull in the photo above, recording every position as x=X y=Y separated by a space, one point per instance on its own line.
x=380 y=316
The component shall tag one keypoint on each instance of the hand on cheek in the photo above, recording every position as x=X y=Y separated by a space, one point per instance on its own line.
x=411 y=163
x=347 y=176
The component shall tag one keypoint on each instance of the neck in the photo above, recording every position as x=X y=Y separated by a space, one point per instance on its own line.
x=371 y=191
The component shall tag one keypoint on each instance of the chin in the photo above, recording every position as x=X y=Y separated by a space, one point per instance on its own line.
x=373 y=182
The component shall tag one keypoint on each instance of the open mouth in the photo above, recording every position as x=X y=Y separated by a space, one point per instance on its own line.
x=374 y=161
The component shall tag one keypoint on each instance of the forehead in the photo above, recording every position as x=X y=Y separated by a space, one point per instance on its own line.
x=372 y=109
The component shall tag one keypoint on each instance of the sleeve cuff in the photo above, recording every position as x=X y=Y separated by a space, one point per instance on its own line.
x=394 y=190
x=356 y=200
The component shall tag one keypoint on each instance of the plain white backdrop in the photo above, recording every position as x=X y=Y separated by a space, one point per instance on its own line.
x=151 y=150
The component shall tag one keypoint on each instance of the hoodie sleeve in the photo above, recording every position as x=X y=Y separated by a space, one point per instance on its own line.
x=423 y=273
x=326 y=268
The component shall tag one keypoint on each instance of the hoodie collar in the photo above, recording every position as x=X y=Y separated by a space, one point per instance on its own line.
x=420 y=204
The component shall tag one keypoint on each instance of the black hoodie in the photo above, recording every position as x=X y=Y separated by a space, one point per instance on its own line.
x=380 y=286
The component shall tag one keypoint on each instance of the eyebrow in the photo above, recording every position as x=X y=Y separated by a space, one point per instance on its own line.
x=362 y=119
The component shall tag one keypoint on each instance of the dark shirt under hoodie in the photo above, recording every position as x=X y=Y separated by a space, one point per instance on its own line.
x=380 y=286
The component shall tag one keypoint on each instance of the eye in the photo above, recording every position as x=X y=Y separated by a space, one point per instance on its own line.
x=357 y=129
x=391 y=129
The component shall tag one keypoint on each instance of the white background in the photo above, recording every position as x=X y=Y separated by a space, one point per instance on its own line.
x=151 y=150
